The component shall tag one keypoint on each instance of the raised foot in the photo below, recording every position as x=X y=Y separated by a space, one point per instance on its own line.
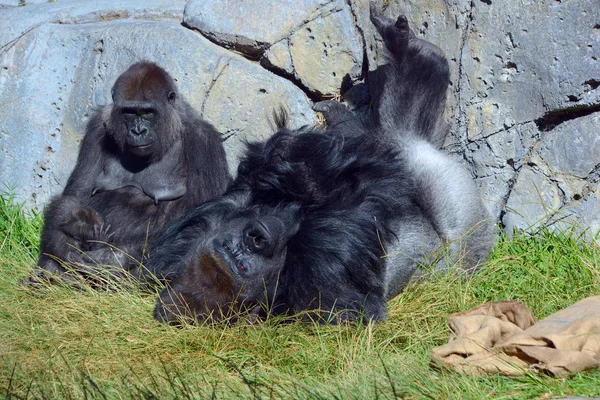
x=395 y=34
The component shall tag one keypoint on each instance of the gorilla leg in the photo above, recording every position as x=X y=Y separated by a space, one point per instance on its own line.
x=452 y=222
x=409 y=94
x=69 y=226
x=395 y=35
x=75 y=238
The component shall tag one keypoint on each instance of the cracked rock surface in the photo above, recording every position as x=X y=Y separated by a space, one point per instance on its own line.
x=524 y=101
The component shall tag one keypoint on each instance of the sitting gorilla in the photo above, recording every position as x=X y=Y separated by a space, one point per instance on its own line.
x=334 y=222
x=144 y=160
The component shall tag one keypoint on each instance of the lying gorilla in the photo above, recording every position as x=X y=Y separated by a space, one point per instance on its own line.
x=335 y=222
x=144 y=160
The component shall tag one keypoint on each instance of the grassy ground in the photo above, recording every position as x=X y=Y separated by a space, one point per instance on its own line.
x=58 y=342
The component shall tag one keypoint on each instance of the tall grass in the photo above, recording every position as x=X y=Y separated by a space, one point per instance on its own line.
x=60 y=342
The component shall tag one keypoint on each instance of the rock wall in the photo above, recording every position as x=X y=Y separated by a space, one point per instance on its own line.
x=524 y=103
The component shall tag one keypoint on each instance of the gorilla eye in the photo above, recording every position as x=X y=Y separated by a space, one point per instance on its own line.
x=146 y=113
x=172 y=96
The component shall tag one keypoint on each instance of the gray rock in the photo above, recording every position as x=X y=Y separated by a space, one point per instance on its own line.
x=539 y=201
x=586 y=211
x=329 y=41
x=535 y=200
x=494 y=190
x=518 y=62
x=22 y=3
x=576 y=398
x=573 y=148
x=524 y=69
x=298 y=37
x=11 y=3
x=15 y=22
x=47 y=96
x=241 y=100
x=249 y=26
x=559 y=185
x=496 y=159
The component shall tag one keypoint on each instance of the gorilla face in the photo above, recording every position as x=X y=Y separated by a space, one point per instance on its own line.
x=236 y=262
x=256 y=250
x=144 y=121
x=138 y=122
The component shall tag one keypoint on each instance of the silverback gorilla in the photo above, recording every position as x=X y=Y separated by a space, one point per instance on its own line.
x=144 y=160
x=336 y=222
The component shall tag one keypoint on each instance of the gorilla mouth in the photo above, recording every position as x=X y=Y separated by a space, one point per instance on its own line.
x=225 y=251
x=140 y=146
x=140 y=150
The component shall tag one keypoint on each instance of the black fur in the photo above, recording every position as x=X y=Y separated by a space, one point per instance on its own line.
x=144 y=160
x=374 y=199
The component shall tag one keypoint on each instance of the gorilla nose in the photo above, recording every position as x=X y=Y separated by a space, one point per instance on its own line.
x=139 y=131
x=258 y=239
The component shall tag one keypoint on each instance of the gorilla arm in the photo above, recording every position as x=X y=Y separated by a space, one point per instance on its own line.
x=59 y=237
x=208 y=174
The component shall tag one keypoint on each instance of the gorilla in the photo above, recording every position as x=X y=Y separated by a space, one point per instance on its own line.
x=145 y=159
x=334 y=223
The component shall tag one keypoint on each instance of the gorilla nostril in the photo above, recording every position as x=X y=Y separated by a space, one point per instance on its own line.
x=257 y=238
x=254 y=240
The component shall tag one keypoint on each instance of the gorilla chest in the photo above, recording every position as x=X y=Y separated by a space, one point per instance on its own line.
x=164 y=180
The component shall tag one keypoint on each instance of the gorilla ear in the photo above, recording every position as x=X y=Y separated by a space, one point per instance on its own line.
x=112 y=94
x=172 y=96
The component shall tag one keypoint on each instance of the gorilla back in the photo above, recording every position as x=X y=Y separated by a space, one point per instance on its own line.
x=377 y=200
x=144 y=160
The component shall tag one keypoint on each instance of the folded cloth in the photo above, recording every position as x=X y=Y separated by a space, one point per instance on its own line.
x=502 y=337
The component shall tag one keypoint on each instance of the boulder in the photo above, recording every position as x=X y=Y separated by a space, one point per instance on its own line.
x=523 y=104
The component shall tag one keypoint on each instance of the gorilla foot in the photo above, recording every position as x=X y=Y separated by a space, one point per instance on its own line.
x=396 y=35
x=40 y=278
x=333 y=111
x=36 y=279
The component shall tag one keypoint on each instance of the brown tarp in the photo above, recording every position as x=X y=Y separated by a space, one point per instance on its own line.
x=502 y=337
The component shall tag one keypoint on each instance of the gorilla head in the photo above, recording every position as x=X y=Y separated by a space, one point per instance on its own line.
x=235 y=263
x=144 y=117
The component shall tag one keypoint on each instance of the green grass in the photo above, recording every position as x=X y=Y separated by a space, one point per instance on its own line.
x=58 y=342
